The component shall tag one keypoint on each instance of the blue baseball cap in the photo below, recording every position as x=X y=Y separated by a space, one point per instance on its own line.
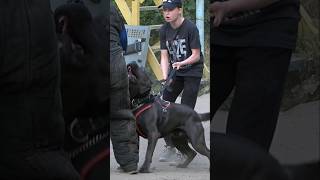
x=171 y=4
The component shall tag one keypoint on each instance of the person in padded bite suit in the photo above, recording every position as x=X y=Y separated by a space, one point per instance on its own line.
x=122 y=122
x=32 y=126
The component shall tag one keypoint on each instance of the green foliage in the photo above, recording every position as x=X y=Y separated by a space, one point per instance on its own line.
x=308 y=43
x=189 y=9
x=150 y=17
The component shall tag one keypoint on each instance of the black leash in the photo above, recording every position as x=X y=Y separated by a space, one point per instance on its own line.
x=168 y=82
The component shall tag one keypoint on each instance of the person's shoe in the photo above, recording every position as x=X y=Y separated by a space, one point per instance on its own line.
x=168 y=154
x=179 y=159
x=129 y=171
x=132 y=172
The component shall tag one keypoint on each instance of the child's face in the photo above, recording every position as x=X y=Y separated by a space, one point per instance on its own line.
x=171 y=15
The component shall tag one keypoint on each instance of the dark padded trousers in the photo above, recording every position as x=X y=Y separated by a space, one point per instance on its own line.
x=31 y=122
x=47 y=164
x=258 y=76
x=122 y=125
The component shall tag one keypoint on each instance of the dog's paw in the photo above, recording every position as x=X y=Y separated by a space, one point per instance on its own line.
x=144 y=170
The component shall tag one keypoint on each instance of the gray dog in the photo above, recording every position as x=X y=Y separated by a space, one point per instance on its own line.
x=157 y=118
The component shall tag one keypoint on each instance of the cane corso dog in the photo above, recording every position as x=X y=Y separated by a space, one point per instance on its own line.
x=159 y=118
x=84 y=84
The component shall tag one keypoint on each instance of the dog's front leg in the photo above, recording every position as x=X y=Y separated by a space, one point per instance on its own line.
x=152 y=141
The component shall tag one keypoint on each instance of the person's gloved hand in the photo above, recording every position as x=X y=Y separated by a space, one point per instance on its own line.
x=177 y=65
x=219 y=11
x=163 y=82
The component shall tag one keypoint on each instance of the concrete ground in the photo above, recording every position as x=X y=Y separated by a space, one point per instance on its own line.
x=296 y=139
x=198 y=169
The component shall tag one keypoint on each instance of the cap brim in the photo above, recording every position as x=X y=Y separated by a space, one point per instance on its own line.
x=169 y=6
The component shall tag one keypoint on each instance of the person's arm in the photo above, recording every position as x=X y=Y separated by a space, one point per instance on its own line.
x=164 y=63
x=195 y=46
x=164 y=56
x=195 y=56
x=219 y=10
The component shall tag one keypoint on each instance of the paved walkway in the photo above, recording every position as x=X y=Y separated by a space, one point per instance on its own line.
x=296 y=138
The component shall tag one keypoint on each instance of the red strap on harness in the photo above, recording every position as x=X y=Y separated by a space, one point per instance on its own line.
x=137 y=114
x=102 y=156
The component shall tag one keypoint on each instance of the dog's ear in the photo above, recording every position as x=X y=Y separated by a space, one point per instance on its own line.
x=62 y=25
x=132 y=78
x=129 y=70
x=134 y=66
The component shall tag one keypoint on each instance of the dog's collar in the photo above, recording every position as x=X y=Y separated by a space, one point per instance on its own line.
x=86 y=146
x=138 y=102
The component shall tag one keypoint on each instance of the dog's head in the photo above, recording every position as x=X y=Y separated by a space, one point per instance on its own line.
x=139 y=81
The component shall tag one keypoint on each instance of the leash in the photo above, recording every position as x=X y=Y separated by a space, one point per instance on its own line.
x=168 y=82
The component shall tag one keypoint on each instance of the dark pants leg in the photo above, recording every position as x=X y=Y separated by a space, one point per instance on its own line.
x=190 y=87
x=258 y=76
x=122 y=125
x=222 y=76
x=176 y=88
x=190 y=91
x=240 y=159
